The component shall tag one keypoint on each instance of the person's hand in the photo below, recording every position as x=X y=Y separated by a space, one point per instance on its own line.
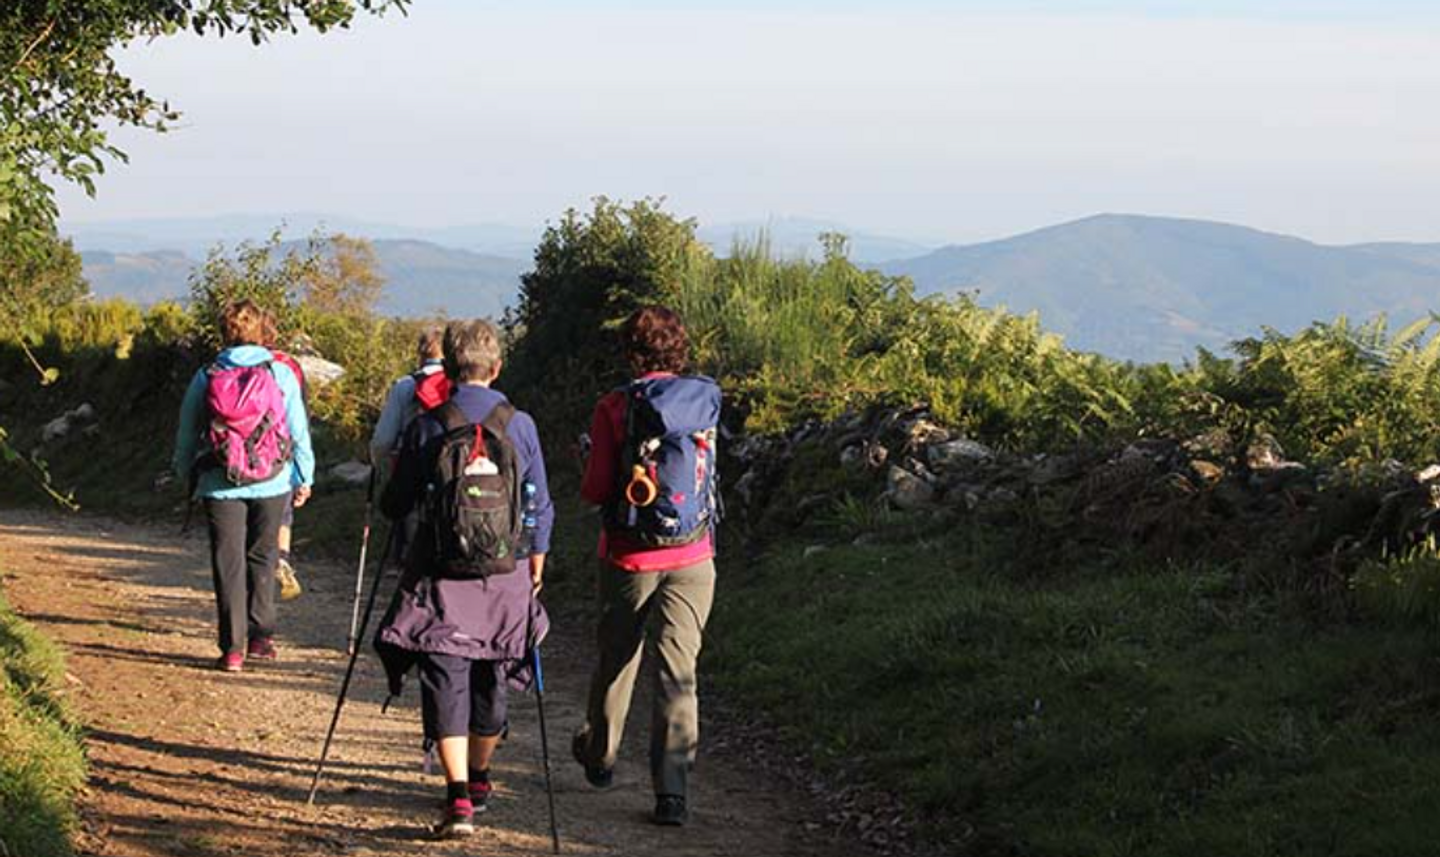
x=537 y=572
x=301 y=495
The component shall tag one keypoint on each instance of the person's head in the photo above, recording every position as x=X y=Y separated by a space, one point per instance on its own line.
x=471 y=351
x=242 y=323
x=654 y=340
x=431 y=343
x=269 y=330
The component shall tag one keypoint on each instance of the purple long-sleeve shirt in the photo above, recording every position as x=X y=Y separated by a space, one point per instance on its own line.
x=497 y=618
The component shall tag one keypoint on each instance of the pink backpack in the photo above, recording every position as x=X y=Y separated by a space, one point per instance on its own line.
x=248 y=434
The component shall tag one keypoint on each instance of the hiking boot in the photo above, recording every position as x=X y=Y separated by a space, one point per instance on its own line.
x=480 y=796
x=597 y=776
x=457 y=822
x=670 y=811
x=289 y=583
x=231 y=662
x=262 y=649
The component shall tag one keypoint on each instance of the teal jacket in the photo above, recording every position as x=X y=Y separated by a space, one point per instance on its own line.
x=190 y=441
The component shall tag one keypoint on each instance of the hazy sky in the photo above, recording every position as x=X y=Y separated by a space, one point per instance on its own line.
x=938 y=120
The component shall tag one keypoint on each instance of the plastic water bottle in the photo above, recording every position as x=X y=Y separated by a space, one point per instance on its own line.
x=529 y=517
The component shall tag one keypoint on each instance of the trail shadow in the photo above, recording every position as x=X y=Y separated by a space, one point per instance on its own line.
x=278 y=764
x=144 y=656
x=121 y=624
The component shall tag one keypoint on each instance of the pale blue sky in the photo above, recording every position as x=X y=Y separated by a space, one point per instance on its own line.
x=942 y=121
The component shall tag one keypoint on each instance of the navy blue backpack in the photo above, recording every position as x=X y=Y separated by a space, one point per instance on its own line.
x=667 y=492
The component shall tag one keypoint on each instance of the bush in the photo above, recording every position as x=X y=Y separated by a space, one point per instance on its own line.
x=1403 y=587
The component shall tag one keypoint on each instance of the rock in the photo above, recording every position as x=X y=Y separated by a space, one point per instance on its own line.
x=1213 y=444
x=1283 y=474
x=907 y=491
x=351 y=472
x=1264 y=453
x=1207 y=472
x=813 y=550
x=852 y=457
x=1002 y=497
x=957 y=453
x=319 y=371
x=1056 y=468
x=1429 y=474
x=85 y=411
x=863 y=539
x=55 y=429
x=922 y=433
x=876 y=455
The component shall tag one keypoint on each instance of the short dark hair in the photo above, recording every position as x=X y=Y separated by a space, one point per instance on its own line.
x=654 y=340
x=472 y=350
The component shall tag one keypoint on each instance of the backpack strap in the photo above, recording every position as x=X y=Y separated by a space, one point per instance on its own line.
x=451 y=417
x=497 y=422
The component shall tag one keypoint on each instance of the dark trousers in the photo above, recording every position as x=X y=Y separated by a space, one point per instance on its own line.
x=459 y=696
x=243 y=553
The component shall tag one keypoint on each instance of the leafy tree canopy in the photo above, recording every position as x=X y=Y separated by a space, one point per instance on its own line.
x=60 y=85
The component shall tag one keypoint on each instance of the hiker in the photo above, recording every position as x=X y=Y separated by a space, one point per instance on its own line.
x=411 y=395
x=465 y=611
x=651 y=469
x=244 y=439
x=284 y=569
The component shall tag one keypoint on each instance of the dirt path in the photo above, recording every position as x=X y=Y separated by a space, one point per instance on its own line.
x=189 y=761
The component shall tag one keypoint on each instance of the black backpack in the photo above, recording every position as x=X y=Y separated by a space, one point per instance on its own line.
x=472 y=508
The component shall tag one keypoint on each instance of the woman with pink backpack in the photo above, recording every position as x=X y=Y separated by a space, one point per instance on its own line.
x=244 y=438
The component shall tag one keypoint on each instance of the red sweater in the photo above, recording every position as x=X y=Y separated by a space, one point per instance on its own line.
x=602 y=482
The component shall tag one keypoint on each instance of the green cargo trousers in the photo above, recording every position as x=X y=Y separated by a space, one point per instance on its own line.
x=681 y=600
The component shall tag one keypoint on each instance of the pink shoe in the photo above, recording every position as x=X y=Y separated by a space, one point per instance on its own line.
x=262 y=649
x=231 y=662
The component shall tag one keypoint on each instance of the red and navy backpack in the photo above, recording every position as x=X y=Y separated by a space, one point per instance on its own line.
x=667 y=492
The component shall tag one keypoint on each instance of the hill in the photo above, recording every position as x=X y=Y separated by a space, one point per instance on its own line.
x=1152 y=288
x=420 y=277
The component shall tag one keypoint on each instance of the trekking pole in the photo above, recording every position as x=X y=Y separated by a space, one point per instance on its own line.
x=540 y=706
x=360 y=568
x=545 y=745
x=350 y=668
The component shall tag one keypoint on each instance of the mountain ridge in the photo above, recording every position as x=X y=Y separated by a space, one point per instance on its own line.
x=1148 y=288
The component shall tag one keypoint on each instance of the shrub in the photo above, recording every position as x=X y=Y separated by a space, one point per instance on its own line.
x=1403 y=587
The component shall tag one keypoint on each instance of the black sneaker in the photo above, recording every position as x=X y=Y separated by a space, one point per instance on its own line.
x=670 y=811
x=596 y=775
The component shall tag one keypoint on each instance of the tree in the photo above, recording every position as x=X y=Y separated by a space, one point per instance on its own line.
x=590 y=272
x=345 y=277
x=60 y=84
x=36 y=278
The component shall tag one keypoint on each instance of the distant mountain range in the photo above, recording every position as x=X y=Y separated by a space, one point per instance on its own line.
x=1129 y=286
x=1153 y=288
x=420 y=278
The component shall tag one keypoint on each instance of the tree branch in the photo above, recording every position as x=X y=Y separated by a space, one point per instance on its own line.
x=39 y=40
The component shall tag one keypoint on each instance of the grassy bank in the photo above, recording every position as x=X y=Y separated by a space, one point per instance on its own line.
x=1112 y=709
x=42 y=763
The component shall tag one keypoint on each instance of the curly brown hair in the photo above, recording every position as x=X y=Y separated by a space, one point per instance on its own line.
x=654 y=340
x=243 y=323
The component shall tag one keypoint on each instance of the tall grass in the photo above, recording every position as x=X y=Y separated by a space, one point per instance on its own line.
x=43 y=764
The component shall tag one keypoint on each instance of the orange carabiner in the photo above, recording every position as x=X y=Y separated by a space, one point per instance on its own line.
x=642 y=490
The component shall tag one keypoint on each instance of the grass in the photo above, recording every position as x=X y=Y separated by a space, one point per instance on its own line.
x=1110 y=710
x=42 y=764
